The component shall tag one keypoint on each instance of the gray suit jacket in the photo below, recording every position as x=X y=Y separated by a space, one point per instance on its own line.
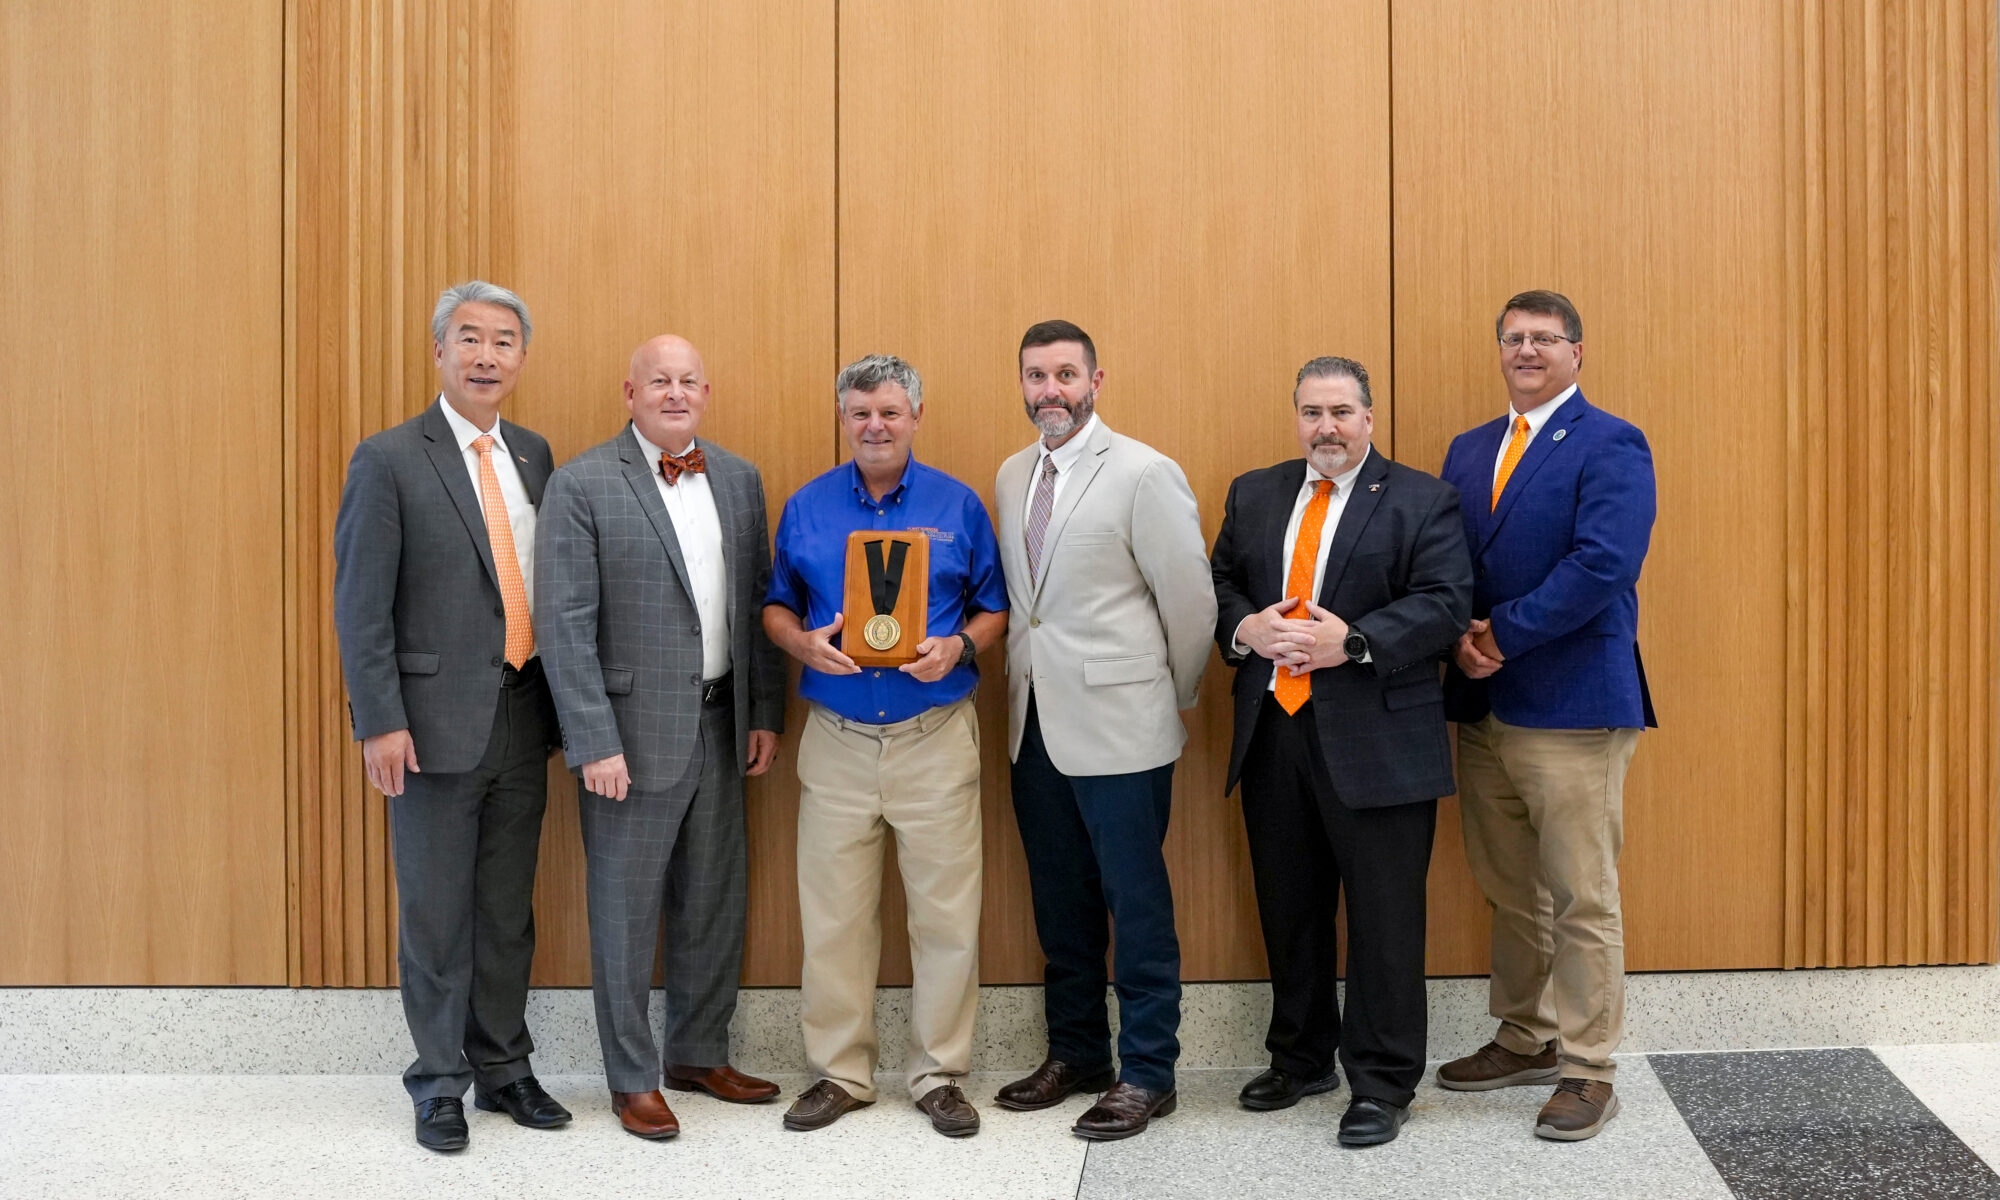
x=416 y=597
x=1115 y=633
x=615 y=615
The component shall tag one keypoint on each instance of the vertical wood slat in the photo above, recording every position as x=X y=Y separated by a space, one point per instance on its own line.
x=1891 y=204
x=398 y=184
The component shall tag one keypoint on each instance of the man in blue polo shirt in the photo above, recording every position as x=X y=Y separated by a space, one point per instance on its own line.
x=887 y=749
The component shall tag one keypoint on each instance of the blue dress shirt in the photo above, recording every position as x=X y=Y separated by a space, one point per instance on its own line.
x=809 y=575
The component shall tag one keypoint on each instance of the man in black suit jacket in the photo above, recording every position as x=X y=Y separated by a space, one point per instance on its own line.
x=434 y=555
x=1341 y=580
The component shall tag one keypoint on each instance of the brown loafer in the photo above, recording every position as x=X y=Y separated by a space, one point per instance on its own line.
x=1122 y=1112
x=645 y=1114
x=950 y=1112
x=1495 y=1066
x=1051 y=1083
x=821 y=1105
x=724 y=1083
x=1577 y=1111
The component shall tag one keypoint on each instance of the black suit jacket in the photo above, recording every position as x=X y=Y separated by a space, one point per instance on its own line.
x=1397 y=572
x=416 y=597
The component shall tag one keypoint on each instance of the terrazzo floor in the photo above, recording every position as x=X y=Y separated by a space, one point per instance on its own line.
x=1915 y=1121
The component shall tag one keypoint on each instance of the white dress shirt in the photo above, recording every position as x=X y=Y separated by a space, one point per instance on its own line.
x=1065 y=456
x=520 y=512
x=1336 y=504
x=1538 y=416
x=698 y=527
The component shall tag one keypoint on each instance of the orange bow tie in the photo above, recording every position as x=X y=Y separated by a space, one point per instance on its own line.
x=671 y=465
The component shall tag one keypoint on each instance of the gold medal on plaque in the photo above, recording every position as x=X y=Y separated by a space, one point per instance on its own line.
x=881 y=632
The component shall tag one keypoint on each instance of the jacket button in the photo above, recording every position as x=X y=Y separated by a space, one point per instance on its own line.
x=500 y=610
x=695 y=679
x=695 y=630
x=494 y=661
x=1034 y=622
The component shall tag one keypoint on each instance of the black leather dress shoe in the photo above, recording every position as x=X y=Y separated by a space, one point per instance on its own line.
x=441 y=1123
x=1280 y=1089
x=525 y=1101
x=1052 y=1083
x=1370 y=1122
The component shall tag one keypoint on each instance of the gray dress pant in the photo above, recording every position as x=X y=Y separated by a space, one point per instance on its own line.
x=465 y=846
x=669 y=861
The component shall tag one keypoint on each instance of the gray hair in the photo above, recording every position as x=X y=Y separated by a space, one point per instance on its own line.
x=477 y=291
x=1331 y=366
x=870 y=373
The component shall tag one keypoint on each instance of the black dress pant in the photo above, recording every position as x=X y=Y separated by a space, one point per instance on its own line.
x=465 y=846
x=1306 y=848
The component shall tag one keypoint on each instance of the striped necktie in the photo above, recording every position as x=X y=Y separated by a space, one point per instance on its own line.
x=1038 y=517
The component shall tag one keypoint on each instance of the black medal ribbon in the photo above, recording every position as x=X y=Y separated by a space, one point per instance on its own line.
x=885 y=582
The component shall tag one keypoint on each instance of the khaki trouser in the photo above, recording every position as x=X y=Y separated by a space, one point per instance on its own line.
x=1544 y=816
x=920 y=779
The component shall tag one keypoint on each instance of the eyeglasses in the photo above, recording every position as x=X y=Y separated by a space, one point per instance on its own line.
x=1543 y=341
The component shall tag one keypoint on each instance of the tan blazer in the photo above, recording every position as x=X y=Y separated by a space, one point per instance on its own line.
x=1116 y=632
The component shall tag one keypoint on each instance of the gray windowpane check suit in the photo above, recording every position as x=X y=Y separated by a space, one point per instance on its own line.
x=618 y=629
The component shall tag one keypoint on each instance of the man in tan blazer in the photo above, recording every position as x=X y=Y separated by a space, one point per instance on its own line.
x=1108 y=581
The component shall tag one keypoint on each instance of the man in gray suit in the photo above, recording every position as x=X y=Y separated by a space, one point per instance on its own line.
x=1108 y=581
x=434 y=550
x=653 y=555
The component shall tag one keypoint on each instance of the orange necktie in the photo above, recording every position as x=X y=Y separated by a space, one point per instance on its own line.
x=500 y=535
x=1294 y=690
x=1516 y=447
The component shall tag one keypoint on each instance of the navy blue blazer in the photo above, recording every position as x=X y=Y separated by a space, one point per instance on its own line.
x=1555 y=568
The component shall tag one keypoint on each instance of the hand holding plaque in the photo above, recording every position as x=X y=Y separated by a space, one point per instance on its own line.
x=887 y=596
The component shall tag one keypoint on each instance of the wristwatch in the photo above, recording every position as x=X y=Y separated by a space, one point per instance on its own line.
x=1355 y=645
x=970 y=652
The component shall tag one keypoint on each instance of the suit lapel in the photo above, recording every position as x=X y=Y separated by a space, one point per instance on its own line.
x=726 y=486
x=1368 y=487
x=449 y=460
x=639 y=474
x=1086 y=468
x=533 y=478
x=1547 y=444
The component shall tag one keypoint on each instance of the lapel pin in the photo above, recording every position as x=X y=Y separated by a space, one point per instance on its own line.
x=1374 y=487
x=1560 y=435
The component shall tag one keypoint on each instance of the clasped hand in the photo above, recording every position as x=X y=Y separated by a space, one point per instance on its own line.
x=1477 y=654
x=1298 y=644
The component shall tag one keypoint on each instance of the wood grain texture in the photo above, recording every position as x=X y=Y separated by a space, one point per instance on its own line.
x=1889 y=307
x=400 y=182
x=140 y=348
x=1630 y=156
x=1203 y=187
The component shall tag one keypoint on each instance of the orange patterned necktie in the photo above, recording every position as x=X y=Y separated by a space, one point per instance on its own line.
x=671 y=465
x=1516 y=447
x=1294 y=690
x=500 y=535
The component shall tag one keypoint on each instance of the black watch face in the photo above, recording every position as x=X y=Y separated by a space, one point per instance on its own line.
x=1356 y=645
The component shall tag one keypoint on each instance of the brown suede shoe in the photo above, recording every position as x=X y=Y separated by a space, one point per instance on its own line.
x=645 y=1114
x=1051 y=1083
x=1122 y=1112
x=1495 y=1066
x=1577 y=1111
x=950 y=1112
x=724 y=1083
x=821 y=1105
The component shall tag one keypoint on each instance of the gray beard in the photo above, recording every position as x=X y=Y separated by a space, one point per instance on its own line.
x=1339 y=460
x=1061 y=423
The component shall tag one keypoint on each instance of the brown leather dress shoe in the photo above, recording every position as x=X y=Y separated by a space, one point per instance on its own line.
x=1122 y=1112
x=821 y=1105
x=1577 y=1111
x=1050 y=1084
x=1495 y=1066
x=950 y=1112
x=724 y=1083
x=645 y=1114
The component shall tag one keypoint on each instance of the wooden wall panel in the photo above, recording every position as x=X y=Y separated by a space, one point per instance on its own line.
x=1889 y=308
x=400 y=182
x=676 y=175
x=1630 y=156
x=1203 y=187
x=140 y=705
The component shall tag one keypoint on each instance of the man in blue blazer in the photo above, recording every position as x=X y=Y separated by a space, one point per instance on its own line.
x=1550 y=695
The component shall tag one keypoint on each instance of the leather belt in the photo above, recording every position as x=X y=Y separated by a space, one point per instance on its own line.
x=720 y=690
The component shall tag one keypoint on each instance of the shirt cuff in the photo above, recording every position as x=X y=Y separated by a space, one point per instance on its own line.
x=1236 y=640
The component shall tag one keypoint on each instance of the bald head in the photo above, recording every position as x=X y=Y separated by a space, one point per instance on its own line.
x=666 y=391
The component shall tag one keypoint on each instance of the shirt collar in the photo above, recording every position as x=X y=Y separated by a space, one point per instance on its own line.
x=1343 y=482
x=1539 y=415
x=1065 y=455
x=465 y=431
x=651 y=452
x=860 y=485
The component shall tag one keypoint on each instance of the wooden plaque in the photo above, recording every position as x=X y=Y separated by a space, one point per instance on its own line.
x=912 y=606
